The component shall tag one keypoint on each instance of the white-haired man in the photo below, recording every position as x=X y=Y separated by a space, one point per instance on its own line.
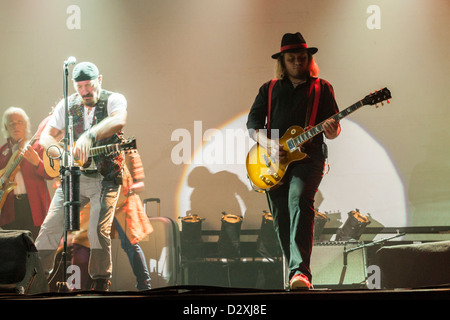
x=24 y=198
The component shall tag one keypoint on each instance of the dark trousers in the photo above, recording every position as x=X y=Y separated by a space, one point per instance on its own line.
x=23 y=218
x=292 y=207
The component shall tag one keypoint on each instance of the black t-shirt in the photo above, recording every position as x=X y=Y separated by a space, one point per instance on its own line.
x=289 y=107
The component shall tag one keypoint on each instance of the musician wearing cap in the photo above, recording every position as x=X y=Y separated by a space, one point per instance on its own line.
x=98 y=119
x=296 y=97
x=24 y=196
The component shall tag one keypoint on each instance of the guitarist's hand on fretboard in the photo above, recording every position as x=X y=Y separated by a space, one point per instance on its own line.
x=82 y=147
x=331 y=128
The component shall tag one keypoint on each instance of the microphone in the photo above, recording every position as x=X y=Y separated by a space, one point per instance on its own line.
x=70 y=60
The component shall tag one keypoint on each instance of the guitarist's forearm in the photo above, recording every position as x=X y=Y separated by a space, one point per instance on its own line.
x=50 y=137
x=109 y=126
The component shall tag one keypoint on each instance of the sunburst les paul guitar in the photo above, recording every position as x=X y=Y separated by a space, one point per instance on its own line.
x=266 y=173
x=52 y=165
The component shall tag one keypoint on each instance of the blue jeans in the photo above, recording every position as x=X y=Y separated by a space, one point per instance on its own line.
x=137 y=259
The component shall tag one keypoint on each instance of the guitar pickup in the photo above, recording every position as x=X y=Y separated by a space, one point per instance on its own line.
x=290 y=144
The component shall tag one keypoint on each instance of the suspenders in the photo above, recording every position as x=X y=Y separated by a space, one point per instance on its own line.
x=271 y=84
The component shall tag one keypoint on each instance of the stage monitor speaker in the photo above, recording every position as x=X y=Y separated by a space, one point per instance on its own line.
x=415 y=265
x=332 y=267
x=20 y=268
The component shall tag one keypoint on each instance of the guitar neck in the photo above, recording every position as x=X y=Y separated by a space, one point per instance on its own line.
x=16 y=161
x=307 y=135
x=96 y=151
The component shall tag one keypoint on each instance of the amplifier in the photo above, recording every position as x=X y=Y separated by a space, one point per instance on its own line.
x=337 y=264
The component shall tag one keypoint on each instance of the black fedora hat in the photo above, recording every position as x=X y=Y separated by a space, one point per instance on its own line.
x=292 y=42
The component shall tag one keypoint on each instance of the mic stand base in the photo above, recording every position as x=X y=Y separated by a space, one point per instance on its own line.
x=63 y=287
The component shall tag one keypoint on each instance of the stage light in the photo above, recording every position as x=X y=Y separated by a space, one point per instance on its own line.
x=229 y=244
x=353 y=227
x=267 y=244
x=319 y=224
x=191 y=237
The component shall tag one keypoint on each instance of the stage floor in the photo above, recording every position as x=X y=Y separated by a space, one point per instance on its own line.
x=181 y=301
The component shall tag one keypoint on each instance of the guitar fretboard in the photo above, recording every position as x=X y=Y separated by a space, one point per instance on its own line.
x=307 y=135
x=16 y=162
x=96 y=151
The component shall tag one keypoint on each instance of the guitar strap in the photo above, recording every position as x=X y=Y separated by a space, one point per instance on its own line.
x=313 y=102
x=271 y=84
x=311 y=114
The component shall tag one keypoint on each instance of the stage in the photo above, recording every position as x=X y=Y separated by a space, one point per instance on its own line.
x=230 y=303
x=181 y=296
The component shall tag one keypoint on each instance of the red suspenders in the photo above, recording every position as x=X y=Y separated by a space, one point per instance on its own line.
x=272 y=83
x=312 y=119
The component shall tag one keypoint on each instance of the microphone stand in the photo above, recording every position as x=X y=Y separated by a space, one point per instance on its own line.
x=70 y=182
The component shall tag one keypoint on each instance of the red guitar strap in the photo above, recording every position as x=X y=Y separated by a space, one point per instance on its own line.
x=272 y=83
x=316 y=85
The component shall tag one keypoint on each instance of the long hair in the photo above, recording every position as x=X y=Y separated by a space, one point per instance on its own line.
x=11 y=111
x=280 y=68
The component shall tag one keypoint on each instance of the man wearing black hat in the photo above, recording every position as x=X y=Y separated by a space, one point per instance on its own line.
x=98 y=118
x=297 y=97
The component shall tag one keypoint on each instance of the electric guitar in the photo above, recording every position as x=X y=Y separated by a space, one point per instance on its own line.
x=52 y=165
x=266 y=173
x=8 y=173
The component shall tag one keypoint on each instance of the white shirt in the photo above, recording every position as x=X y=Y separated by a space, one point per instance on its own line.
x=18 y=179
x=116 y=101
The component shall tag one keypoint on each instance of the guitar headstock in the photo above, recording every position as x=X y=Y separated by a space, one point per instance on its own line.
x=130 y=144
x=378 y=96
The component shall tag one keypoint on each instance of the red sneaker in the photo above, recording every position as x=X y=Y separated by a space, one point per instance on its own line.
x=299 y=282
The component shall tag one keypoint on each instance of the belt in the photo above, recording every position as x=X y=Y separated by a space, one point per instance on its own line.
x=21 y=196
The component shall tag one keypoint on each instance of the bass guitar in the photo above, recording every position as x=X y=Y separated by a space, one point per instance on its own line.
x=266 y=173
x=52 y=165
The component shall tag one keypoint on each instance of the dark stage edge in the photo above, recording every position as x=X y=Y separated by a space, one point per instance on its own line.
x=188 y=293
x=185 y=302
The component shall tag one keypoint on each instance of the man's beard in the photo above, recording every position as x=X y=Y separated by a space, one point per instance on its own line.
x=300 y=75
x=90 y=103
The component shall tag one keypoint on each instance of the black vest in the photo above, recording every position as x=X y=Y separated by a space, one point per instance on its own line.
x=109 y=165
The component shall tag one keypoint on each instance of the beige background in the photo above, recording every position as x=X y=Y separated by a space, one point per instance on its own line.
x=181 y=61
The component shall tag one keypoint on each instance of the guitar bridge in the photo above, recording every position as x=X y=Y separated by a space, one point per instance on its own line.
x=266 y=180
x=273 y=174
